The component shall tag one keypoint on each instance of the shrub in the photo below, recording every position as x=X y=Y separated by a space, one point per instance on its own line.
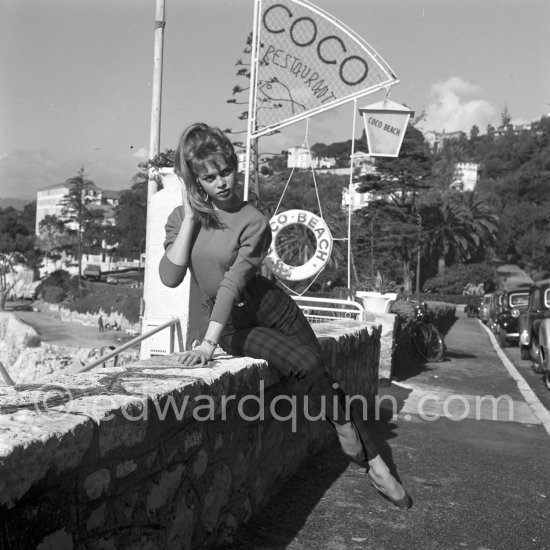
x=53 y=294
x=403 y=308
x=123 y=301
x=447 y=298
x=458 y=276
x=443 y=313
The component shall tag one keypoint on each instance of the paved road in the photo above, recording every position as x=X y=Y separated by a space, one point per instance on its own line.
x=53 y=331
x=478 y=471
x=535 y=381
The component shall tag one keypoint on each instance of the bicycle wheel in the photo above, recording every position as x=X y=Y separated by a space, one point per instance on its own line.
x=436 y=346
x=429 y=343
x=420 y=339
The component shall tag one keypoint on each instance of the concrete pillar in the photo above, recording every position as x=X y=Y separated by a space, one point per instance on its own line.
x=160 y=302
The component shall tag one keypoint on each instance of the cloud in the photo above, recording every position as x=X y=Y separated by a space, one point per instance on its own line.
x=142 y=153
x=451 y=112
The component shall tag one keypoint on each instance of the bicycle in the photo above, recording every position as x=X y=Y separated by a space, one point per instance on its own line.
x=426 y=338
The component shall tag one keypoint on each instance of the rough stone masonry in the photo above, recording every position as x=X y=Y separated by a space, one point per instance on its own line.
x=149 y=455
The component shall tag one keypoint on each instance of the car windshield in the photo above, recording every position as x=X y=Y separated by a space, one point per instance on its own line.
x=519 y=300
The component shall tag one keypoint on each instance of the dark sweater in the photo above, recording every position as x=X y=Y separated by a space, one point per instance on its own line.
x=222 y=261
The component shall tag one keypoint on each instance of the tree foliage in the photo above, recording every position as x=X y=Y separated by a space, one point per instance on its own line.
x=83 y=223
x=17 y=245
x=457 y=277
x=131 y=218
x=515 y=180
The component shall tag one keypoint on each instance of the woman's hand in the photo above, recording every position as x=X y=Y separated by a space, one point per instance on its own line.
x=187 y=210
x=197 y=357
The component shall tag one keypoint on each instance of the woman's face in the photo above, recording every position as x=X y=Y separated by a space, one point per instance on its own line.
x=219 y=181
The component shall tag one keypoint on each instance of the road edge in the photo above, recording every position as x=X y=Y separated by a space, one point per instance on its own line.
x=534 y=403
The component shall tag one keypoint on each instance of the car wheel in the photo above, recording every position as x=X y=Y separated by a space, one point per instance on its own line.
x=547 y=379
x=534 y=355
x=502 y=338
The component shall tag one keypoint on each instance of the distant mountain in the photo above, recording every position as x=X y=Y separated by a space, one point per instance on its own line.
x=18 y=204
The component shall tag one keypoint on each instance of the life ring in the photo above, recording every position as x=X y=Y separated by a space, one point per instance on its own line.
x=322 y=253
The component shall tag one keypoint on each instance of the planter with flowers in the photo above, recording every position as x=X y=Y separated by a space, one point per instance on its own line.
x=161 y=168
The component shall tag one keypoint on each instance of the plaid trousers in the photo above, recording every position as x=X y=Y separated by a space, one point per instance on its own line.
x=270 y=326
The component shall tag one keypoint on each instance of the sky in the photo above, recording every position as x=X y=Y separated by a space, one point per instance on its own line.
x=76 y=76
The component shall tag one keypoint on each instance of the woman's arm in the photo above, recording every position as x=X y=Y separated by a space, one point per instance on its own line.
x=178 y=252
x=173 y=264
x=254 y=243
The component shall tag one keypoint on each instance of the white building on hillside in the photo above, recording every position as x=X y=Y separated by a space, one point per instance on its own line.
x=363 y=163
x=302 y=157
x=436 y=140
x=358 y=200
x=465 y=177
x=49 y=201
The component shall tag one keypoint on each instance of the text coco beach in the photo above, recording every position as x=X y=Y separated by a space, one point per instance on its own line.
x=383 y=126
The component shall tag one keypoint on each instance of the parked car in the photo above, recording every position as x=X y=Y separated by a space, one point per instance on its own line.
x=494 y=310
x=484 y=309
x=111 y=280
x=513 y=302
x=92 y=271
x=534 y=327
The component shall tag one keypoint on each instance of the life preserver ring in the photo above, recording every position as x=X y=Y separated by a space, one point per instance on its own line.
x=322 y=253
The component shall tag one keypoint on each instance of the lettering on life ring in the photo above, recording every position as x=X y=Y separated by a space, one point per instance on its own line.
x=323 y=250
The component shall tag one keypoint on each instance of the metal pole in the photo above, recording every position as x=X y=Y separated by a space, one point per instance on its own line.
x=251 y=116
x=154 y=141
x=350 y=189
x=127 y=345
x=6 y=375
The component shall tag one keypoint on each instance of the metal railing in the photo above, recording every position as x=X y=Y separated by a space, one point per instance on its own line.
x=319 y=310
x=6 y=375
x=127 y=345
x=105 y=358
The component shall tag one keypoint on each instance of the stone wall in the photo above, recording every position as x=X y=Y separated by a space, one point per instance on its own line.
x=150 y=455
x=387 y=323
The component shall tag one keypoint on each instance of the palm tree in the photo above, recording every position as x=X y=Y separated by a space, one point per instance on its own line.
x=447 y=223
x=396 y=235
x=483 y=221
x=458 y=227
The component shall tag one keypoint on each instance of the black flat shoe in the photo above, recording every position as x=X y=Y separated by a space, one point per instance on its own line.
x=404 y=502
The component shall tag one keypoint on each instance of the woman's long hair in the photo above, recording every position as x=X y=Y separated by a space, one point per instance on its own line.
x=200 y=144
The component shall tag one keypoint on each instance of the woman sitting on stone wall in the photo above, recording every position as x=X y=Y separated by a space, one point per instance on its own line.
x=223 y=240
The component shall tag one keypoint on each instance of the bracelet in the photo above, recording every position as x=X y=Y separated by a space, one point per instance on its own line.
x=210 y=342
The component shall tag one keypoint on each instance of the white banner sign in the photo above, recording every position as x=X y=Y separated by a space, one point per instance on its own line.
x=306 y=62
